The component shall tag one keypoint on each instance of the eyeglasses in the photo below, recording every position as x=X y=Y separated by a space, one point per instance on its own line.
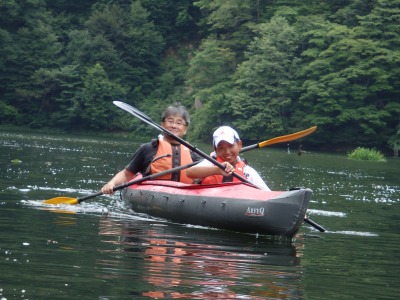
x=171 y=122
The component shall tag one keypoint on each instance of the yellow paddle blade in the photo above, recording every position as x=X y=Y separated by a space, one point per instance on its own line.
x=288 y=138
x=61 y=200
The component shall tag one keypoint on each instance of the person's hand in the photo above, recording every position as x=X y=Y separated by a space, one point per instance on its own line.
x=108 y=188
x=228 y=168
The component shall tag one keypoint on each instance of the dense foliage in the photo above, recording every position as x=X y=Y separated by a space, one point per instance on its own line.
x=361 y=153
x=268 y=68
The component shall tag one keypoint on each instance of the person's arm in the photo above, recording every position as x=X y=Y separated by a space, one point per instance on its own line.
x=255 y=178
x=203 y=169
x=139 y=162
x=119 y=178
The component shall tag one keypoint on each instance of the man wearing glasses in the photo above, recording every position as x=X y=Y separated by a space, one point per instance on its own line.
x=162 y=154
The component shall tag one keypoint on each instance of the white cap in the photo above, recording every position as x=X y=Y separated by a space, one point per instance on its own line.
x=225 y=133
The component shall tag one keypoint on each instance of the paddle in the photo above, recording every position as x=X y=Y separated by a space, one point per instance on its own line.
x=281 y=139
x=315 y=225
x=275 y=140
x=140 y=115
x=67 y=200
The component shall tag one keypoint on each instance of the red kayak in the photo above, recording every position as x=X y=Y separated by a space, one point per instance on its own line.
x=232 y=206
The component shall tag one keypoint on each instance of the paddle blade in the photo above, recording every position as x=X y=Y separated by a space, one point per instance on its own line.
x=288 y=138
x=61 y=200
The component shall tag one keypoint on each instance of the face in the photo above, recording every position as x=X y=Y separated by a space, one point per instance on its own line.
x=175 y=124
x=228 y=152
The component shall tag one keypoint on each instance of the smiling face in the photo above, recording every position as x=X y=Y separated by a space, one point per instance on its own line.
x=176 y=125
x=228 y=152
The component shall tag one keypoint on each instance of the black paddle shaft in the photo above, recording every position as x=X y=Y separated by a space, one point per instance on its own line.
x=140 y=180
x=315 y=225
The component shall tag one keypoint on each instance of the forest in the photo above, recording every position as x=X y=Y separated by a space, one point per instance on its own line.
x=267 y=68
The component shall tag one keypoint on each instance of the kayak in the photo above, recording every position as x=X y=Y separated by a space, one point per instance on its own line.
x=234 y=206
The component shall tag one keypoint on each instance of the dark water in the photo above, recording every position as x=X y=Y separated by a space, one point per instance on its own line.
x=101 y=250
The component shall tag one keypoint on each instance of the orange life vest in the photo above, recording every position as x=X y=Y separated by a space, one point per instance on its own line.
x=169 y=156
x=215 y=179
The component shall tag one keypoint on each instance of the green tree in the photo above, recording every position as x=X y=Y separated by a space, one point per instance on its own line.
x=264 y=80
x=75 y=11
x=213 y=113
x=348 y=13
x=211 y=64
x=84 y=50
x=170 y=85
x=350 y=83
x=208 y=78
x=231 y=21
x=394 y=141
x=136 y=41
x=59 y=86
x=93 y=105
x=175 y=20
x=34 y=47
x=6 y=54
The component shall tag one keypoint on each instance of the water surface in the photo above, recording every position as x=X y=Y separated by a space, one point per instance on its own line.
x=100 y=249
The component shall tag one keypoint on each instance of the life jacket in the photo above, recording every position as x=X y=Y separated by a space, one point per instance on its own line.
x=169 y=156
x=215 y=179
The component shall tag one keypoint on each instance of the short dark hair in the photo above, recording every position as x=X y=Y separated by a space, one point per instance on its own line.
x=176 y=109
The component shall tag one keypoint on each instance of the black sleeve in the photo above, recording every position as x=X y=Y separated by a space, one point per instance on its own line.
x=142 y=158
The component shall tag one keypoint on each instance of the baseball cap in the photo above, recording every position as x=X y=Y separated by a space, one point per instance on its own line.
x=225 y=133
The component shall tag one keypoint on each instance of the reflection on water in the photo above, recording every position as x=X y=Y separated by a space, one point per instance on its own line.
x=202 y=264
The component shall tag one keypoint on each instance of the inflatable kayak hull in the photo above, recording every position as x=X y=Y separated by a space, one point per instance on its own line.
x=232 y=206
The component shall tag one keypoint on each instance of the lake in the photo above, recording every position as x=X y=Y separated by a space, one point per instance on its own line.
x=100 y=249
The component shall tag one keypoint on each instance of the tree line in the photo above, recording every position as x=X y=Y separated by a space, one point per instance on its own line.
x=268 y=68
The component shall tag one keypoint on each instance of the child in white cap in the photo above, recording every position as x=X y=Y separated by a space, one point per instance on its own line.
x=227 y=145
